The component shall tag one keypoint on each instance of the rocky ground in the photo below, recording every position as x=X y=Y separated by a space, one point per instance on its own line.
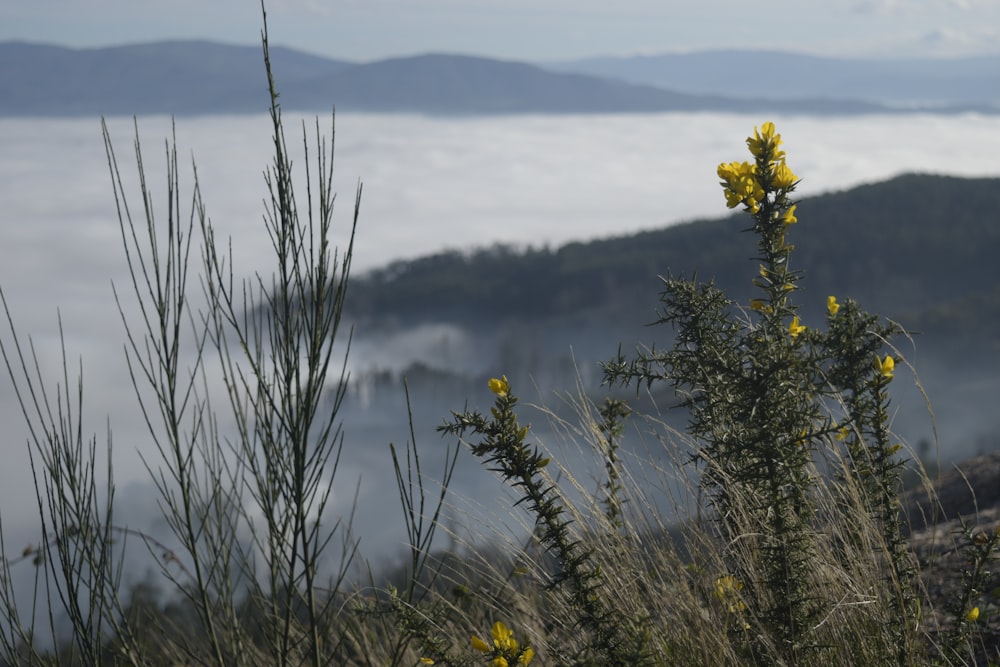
x=967 y=496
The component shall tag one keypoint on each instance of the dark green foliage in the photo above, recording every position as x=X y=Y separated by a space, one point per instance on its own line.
x=614 y=412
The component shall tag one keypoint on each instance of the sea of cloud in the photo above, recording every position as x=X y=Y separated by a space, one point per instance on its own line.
x=429 y=184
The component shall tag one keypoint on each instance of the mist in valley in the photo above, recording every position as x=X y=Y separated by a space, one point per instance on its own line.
x=431 y=184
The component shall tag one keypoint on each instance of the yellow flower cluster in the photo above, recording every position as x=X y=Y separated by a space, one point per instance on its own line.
x=504 y=648
x=832 y=306
x=741 y=185
x=744 y=183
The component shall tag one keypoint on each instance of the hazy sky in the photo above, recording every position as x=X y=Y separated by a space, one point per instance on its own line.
x=525 y=29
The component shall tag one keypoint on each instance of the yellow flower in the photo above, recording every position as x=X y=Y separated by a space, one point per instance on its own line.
x=758 y=305
x=886 y=367
x=426 y=661
x=832 y=306
x=765 y=141
x=794 y=329
x=725 y=585
x=480 y=645
x=526 y=657
x=499 y=386
x=503 y=637
x=503 y=640
x=733 y=199
x=782 y=177
x=499 y=661
x=973 y=615
x=788 y=217
x=733 y=172
x=727 y=590
x=739 y=180
x=842 y=433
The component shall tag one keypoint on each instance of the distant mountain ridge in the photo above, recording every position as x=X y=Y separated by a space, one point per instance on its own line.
x=970 y=81
x=199 y=77
x=182 y=77
x=442 y=83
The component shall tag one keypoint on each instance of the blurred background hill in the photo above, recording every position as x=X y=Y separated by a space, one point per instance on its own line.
x=919 y=249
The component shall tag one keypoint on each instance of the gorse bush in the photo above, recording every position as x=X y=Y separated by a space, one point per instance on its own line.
x=767 y=395
x=796 y=551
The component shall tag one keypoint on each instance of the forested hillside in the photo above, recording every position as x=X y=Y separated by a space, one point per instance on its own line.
x=918 y=248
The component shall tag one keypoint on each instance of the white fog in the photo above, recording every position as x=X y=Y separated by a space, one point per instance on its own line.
x=429 y=184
